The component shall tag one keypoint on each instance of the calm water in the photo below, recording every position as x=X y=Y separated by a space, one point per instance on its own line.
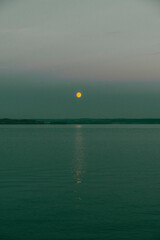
x=80 y=182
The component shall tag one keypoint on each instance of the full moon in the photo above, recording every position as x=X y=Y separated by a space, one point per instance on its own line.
x=78 y=94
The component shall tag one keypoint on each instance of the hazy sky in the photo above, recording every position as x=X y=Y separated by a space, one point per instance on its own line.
x=108 y=49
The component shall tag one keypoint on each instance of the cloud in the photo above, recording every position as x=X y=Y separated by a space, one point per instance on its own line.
x=155 y=53
x=13 y=30
x=3 y=67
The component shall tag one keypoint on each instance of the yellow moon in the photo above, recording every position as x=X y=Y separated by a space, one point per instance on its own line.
x=78 y=94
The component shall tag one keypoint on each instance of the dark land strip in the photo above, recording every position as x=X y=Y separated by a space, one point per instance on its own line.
x=82 y=121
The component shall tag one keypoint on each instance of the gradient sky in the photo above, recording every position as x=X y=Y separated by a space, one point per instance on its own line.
x=108 y=49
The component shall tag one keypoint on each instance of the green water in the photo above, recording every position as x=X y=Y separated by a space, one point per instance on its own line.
x=80 y=182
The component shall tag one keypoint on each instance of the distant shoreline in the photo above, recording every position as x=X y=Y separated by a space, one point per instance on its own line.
x=82 y=121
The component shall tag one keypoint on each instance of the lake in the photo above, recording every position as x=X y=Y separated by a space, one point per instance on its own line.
x=79 y=182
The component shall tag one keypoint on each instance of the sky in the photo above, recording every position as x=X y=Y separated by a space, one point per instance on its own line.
x=107 y=49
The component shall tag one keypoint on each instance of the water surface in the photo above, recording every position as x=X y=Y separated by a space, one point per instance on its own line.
x=80 y=182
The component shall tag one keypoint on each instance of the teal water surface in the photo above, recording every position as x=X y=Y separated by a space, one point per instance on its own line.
x=72 y=182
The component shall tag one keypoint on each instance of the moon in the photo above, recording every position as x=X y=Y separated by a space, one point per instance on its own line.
x=78 y=94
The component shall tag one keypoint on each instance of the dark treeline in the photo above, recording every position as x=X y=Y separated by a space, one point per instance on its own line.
x=82 y=121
